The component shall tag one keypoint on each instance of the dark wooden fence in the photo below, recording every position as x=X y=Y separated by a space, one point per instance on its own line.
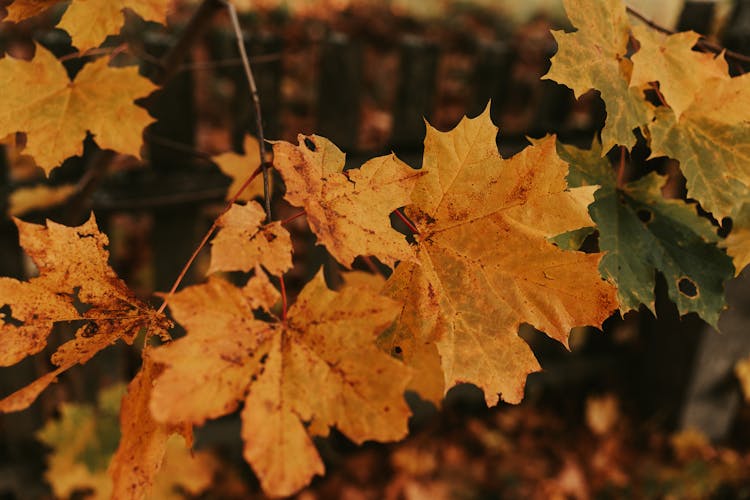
x=180 y=183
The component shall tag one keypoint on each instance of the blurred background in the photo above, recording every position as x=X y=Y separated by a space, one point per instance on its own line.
x=650 y=407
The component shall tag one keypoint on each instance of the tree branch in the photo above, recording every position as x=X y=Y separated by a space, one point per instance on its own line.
x=703 y=43
x=256 y=102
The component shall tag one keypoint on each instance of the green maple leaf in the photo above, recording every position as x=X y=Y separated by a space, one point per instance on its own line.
x=641 y=232
x=594 y=58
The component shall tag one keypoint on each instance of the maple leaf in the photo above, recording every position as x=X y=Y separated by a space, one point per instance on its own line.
x=641 y=232
x=319 y=368
x=670 y=60
x=243 y=243
x=83 y=440
x=737 y=243
x=711 y=140
x=347 y=210
x=72 y=264
x=89 y=22
x=593 y=57
x=485 y=264
x=28 y=199
x=239 y=167
x=60 y=112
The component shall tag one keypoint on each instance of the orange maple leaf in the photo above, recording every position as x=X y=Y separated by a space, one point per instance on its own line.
x=143 y=440
x=239 y=167
x=243 y=243
x=319 y=368
x=348 y=210
x=486 y=266
x=57 y=115
x=72 y=263
x=89 y=22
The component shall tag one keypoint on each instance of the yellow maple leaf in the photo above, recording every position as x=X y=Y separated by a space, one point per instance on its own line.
x=72 y=264
x=57 y=115
x=243 y=243
x=348 y=210
x=319 y=366
x=593 y=57
x=89 y=22
x=670 y=60
x=486 y=265
x=737 y=243
x=239 y=167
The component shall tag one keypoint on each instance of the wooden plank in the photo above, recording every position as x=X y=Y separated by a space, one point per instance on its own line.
x=416 y=91
x=339 y=91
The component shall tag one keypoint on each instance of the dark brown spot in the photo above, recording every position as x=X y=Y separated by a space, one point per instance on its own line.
x=269 y=236
x=688 y=287
x=310 y=144
x=90 y=330
x=397 y=350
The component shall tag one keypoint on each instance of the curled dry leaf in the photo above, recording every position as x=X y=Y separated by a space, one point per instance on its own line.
x=243 y=242
x=61 y=112
x=486 y=265
x=73 y=268
x=348 y=210
x=89 y=22
x=239 y=167
x=320 y=368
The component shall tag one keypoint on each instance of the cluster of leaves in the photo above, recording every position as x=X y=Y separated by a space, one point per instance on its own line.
x=483 y=256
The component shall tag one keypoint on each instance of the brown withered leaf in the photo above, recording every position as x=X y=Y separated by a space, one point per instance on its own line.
x=486 y=265
x=239 y=167
x=244 y=242
x=73 y=269
x=348 y=210
x=319 y=368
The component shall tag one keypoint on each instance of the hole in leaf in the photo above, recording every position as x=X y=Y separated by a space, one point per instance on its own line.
x=90 y=330
x=310 y=144
x=6 y=315
x=397 y=350
x=688 y=287
x=80 y=306
x=646 y=216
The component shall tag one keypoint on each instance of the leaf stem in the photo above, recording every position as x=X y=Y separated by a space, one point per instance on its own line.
x=283 y=298
x=621 y=177
x=703 y=43
x=264 y=163
x=205 y=239
x=406 y=221
x=290 y=219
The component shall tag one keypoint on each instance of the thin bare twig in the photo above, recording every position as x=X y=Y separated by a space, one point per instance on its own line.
x=256 y=102
x=205 y=239
x=703 y=43
x=170 y=63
